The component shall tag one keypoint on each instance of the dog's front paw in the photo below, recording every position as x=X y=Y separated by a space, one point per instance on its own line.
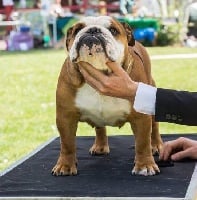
x=64 y=168
x=99 y=149
x=146 y=169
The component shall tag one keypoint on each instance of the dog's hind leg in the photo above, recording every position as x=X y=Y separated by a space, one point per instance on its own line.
x=156 y=140
x=100 y=145
x=144 y=161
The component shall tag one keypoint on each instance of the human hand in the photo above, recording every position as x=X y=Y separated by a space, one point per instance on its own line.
x=179 y=149
x=117 y=84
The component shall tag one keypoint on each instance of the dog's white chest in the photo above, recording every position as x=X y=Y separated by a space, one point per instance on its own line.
x=101 y=110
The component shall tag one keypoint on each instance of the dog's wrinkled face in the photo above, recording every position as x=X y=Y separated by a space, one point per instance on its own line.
x=98 y=40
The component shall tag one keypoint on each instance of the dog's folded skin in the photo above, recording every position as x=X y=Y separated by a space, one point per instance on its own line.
x=97 y=40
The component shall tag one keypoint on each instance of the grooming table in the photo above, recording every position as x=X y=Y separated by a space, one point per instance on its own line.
x=100 y=177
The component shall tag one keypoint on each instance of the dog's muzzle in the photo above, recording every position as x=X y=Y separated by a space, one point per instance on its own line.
x=91 y=43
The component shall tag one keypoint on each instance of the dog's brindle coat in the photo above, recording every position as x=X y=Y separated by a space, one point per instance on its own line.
x=77 y=101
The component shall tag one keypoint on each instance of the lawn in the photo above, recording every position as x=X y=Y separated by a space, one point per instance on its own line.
x=27 y=90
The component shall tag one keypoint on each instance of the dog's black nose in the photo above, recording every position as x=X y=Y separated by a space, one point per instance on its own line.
x=94 y=30
x=89 y=41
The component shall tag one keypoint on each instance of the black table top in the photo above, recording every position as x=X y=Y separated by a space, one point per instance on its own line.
x=99 y=176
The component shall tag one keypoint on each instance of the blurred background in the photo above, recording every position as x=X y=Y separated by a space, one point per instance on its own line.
x=26 y=24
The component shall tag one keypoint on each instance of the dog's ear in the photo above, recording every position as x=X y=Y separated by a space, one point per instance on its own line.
x=72 y=32
x=68 y=37
x=75 y=77
x=129 y=32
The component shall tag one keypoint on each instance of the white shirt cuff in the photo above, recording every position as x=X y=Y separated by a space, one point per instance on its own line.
x=145 y=99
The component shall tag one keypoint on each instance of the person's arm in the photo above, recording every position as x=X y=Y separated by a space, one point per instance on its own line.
x=174 y=106
x=145 y=97
x=167 y=105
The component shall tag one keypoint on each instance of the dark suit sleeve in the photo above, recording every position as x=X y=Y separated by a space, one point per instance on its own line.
x=178 y=107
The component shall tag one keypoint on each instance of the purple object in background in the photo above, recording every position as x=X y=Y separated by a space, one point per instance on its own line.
x=21 y=41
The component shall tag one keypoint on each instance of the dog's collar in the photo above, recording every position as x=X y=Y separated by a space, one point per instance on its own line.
x=130 y=66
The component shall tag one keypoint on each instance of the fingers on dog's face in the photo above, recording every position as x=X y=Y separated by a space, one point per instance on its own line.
x=115 y=67
x=90 y=73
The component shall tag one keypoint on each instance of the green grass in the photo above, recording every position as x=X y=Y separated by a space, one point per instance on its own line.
x=27 y=109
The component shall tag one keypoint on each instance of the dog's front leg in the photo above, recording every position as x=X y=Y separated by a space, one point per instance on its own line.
x=144 y=161
x=66 y=164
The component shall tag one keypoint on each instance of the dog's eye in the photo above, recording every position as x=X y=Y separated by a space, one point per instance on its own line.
x=113 y=31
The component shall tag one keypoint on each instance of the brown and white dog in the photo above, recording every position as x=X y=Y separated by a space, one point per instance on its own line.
x=97 y=40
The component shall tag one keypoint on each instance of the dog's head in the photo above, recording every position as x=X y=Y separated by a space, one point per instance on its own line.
x=97 y=40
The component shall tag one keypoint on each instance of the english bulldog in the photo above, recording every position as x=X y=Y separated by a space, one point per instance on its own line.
x=97 y=40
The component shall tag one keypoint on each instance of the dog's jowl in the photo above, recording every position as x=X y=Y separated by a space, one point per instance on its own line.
x=97 y=40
